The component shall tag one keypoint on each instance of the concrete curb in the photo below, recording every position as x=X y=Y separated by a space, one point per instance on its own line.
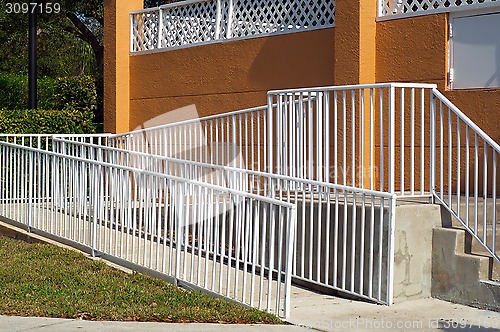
x=17 y=324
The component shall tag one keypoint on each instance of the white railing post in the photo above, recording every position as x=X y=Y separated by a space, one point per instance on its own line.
x=380 y=7
x=289 y=254
x=390 y=253
x=160 y=27
x=391 y=177
x=270 y=133
x=31 y=169
x=230 y=13
x=132 y=48
x=432 y=174
x=179 y=224
x=95 y=183
x=218 y=20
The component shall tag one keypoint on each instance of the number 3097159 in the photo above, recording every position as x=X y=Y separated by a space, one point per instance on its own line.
x=31 y=7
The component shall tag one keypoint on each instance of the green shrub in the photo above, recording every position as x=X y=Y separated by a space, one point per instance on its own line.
x=60 y=93
x=13 y=91
x=69 y=121
x=68 y=93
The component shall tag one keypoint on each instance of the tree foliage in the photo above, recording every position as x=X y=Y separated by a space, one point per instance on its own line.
x=68 y=121
x=156 y=3
x=61 y=50
x=70 y=43
x=76 y=92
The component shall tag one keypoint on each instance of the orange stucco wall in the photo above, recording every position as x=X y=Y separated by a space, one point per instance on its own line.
x=116 y=63
x=228 y=76
x=416 y=50
x=233 y=75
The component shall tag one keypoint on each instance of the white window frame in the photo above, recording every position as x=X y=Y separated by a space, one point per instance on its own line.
x=462 y=14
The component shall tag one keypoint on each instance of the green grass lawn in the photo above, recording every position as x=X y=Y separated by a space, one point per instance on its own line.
x=46 y=280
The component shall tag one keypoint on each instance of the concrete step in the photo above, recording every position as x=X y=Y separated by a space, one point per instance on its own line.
x=472 y=246
x=465 y=209
x=461 y=277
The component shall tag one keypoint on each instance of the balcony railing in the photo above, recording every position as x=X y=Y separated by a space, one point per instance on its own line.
x=188 y=23
x=392 y=9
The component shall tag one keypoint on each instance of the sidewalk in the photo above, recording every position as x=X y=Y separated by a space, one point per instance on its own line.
x=311 y=312
x=17 y=324
x=329 y=313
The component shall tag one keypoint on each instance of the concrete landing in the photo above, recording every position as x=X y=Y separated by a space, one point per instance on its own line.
x=329 y=313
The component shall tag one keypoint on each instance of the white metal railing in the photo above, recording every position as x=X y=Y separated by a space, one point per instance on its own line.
x=405 y=139
x=466 y=176
x=393 y=9
x=236 y=139
x=364 y=136
x=149 y=219
x=313 y=133
x=193 y=22
x=341 y=154
x=337 y=226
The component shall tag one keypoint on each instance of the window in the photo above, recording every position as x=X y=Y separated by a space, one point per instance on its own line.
x=475 y=50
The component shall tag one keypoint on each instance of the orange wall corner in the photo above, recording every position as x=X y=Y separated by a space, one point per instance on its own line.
x=116 y=63
x=355 y=33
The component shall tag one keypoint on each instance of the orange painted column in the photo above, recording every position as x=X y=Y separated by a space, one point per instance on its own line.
x=355 y=63
x=116 y=63
x=355 y=36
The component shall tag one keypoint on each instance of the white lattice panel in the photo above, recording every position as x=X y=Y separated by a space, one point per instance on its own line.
x=145 y=31
x=190 y=24
x=204 y=21
x=256 y=17
x=402 y=8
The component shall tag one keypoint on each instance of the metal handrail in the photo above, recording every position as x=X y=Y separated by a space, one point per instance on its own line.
x=296 y=120
x=460 y=182
x=196 y=120
x=190 y=121
x=242 y=171
x=152 y=173
x=306 y=193
x=356 y=87
x=466 y=119
x=93 y=203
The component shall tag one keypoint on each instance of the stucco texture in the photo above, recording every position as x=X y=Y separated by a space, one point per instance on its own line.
x=228 y=76
x=416 y=50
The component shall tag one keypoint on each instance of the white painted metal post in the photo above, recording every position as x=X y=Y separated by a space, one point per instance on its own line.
x=132 y=48
x=390 y=253
x=432 y=174
x=218 y=20
x=160 y=27
x=391 y=169
x=30 y=204
x=290 y=257
x=270 y=133
x=230 y=13
x=380 y=8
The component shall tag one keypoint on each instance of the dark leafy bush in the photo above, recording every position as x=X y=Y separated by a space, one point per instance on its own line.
x=60 y=93
x=68 y=121
x=69 y=93
x=13 y=91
